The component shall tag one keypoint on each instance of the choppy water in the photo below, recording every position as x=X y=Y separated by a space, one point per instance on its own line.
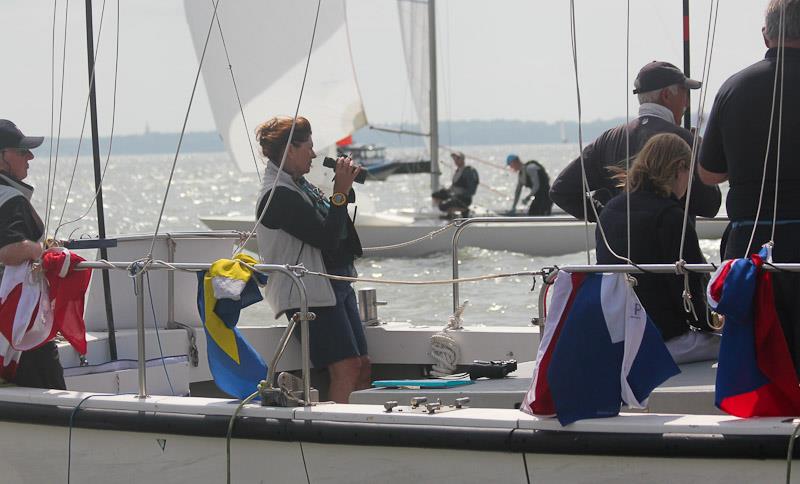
x=209 y=183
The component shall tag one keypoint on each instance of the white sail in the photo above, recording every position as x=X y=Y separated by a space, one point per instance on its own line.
x=267 y=42
x=414 y=30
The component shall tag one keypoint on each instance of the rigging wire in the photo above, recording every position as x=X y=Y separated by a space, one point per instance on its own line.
x=448 y=72
x=83 y=124
x=780 y=64
x=291 y=135
x=627 y=130
x=781 y=39
x=183 y=131
x=52 y=180
x=52 y=114
x=711 y=33
x=111 y=135
x=238 y=98
x=584 y=182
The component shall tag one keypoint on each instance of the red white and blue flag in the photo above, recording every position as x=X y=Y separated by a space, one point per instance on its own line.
x=34 y=308
x=599 y=349
x=755 y=376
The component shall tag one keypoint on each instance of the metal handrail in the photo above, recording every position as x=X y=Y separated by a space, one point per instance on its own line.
x=294 y=273
x=462 y=224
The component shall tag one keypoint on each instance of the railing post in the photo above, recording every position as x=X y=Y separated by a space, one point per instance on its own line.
x=171 y=247
x=456 y=235
x=139 y=285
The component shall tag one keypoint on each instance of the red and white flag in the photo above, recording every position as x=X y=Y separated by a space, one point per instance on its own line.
x=34 y=307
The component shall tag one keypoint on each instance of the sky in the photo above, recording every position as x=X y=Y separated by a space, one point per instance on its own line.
x=501 y=59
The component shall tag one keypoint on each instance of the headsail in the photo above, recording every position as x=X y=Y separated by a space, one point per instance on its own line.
x=268 y=41
x=414 y=31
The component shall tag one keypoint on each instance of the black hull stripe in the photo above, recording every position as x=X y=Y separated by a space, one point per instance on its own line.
x=404 y=435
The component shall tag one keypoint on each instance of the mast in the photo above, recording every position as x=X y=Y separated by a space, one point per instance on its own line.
x=101 y=222
x=687 y=117
x=434 y=114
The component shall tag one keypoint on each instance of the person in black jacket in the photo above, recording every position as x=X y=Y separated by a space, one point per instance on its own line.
x=743 y=146
x=21 y=230
x=662 y=90
x=298 y=224
x=658 y=178
x=458 y=196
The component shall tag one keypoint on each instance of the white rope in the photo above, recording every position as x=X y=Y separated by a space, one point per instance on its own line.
x=428 y=236
x=584 y=182
x=446 y=352
x=445 y=349
x=780 y=65
x=424 y=283
x=781 y=39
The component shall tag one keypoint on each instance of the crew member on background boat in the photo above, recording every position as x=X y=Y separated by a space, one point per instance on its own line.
x=531 y=174
x=458 y=196
x=737 y=142
x=21 y=230
x=303 y=226
x=658 y=178
x=662 y=90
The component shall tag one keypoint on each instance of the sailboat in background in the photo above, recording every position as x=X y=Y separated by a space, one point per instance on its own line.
x=331 y=100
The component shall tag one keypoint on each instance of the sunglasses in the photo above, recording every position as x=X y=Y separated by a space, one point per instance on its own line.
x=19 y=151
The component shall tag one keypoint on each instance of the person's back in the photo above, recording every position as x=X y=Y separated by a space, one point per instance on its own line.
x=656 y=224
x=739 y=144
x=653 y=219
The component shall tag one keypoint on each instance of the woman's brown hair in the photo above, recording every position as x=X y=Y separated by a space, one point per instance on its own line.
x=273 y=135
x=657 y=164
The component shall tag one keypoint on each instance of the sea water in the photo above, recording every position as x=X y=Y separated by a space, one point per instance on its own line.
x=209 y=184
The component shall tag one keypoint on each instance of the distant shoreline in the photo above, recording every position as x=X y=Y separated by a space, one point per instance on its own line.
x=458 y=133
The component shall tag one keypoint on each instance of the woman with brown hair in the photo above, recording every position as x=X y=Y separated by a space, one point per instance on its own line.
x=298 y=224
x=657 y=179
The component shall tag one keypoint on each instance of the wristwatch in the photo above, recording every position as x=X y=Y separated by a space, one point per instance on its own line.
x=338 y=199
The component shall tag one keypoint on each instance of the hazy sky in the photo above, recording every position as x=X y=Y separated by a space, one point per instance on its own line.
x=506 y=59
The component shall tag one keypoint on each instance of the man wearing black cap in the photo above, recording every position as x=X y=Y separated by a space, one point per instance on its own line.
x=662 y=90
x=21 y=229
x=746 y=130
x=458 y=196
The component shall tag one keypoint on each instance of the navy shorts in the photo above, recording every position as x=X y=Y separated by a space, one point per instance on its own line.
x=337 y=332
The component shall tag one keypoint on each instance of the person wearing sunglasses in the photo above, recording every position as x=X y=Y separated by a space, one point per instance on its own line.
x=21 y=231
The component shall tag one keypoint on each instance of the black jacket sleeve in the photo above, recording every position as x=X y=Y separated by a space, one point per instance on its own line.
x=705 y=200
x=567 y=190
x=288 y=211
x=16 y=222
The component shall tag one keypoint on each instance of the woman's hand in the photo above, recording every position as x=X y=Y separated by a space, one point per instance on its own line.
x=346 y=171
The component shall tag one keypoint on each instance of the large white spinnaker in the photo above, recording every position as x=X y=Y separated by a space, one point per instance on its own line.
x=267 y=42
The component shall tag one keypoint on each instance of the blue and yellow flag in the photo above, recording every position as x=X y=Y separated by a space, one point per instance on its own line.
x=222 y=292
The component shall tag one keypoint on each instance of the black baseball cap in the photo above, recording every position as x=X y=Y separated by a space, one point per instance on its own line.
x=12 y=137
x=660 y=74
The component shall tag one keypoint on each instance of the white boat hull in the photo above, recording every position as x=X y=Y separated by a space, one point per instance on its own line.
x=543 y=239
x=181 y=440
